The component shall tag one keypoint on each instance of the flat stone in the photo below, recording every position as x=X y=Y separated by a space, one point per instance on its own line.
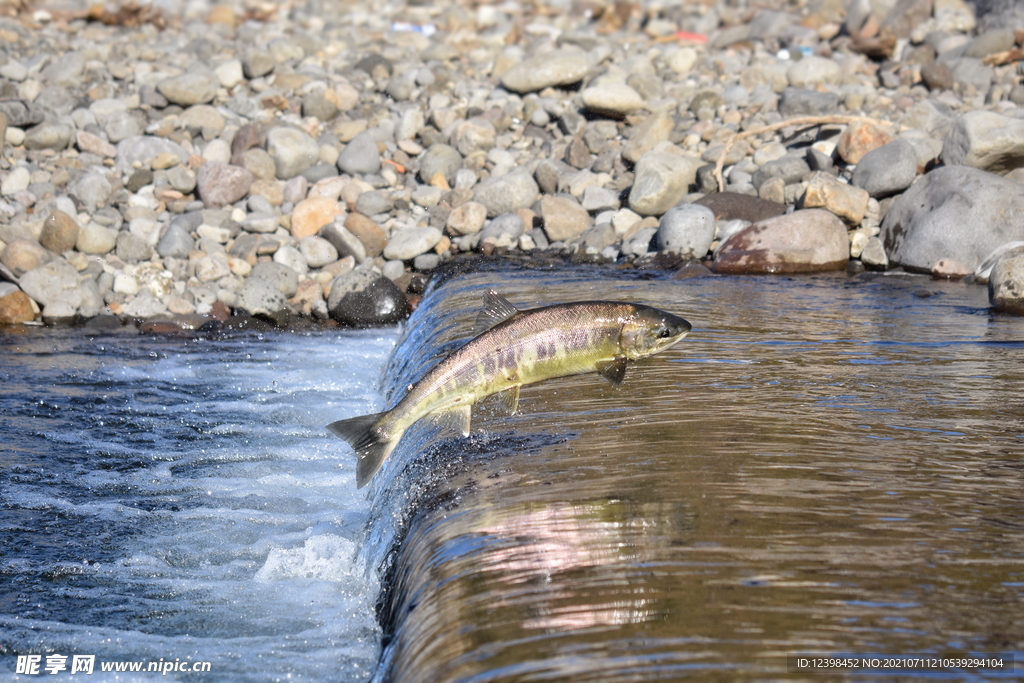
x=985 y=140
x=954 y=212
x=408 y=243
x=661 y=180
x=560 y=67
x=825 y=191
x=813 y=70
x=312 y=214
x=803 y=241
x=189 y=88
x=790 y=168
x=887 y=170
x=613 y=98
x=94 y=144
x=292 y=151
x=259 y=296
x=142 y=149
x=805 y=102
x=564 y=219
x=16 y=180
x=54 y=135
x=687 y=230
x=731 y=206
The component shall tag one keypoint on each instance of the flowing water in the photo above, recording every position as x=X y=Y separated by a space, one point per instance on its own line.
x=180 y=501
x=825 y=465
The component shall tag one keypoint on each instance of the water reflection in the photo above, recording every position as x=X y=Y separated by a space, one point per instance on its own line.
x=825 y=464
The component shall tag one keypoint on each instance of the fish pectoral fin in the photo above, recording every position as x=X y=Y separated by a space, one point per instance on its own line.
x=497 y=309
x=508 y=401
x=457 y=419
x=613 y=370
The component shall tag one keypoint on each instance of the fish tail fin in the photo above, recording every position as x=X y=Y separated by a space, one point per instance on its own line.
x=371 y=446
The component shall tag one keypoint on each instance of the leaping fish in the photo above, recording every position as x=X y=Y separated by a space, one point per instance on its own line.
x=516 y=348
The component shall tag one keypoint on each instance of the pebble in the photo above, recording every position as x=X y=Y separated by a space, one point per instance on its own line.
x=661 y=180
x=560 y=67
x=564 y=219
x=311 y=214
x=49 y=281
x=218 y=184
x=364 y=298
x=408 y=243
x=507 y=193
x=16 y=307
x=252 y=145
x=887 y=170
x=360 y=155
x=687 y=230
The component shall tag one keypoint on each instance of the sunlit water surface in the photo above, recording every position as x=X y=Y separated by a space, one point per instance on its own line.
x=825 y=465
x=166 y=499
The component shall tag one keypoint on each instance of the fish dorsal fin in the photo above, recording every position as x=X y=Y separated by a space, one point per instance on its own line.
x=508 y=401
x=496 y=309
x=613 y=370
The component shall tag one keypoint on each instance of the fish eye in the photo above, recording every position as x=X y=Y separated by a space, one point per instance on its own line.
x=664 y=332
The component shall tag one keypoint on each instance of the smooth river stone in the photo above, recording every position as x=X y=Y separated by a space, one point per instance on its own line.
x=662 y=179
x=616 y=98
x=312 y=214
x=800 y=242
x=190 y=88
x=985 y=140
x=561 y=67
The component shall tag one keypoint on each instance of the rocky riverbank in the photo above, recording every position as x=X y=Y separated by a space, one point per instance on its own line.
x=185 y=160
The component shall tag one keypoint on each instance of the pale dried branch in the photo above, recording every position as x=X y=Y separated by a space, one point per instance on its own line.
x=806 y=121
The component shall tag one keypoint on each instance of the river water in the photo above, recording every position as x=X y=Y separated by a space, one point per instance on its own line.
x=168 y=500
x=825 y=465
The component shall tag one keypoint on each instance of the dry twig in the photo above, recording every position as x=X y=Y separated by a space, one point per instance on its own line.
x=806 y=121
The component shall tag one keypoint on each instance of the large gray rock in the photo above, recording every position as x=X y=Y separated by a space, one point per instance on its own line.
x=561 y=67
x=507 y=193
x=283 y=278
x=50 y=281
x=800 y=242
x=956 y=213
x=985 y=140
x=886 y=170
x=662 y=179
x=687 y=230
x=364 y=298
x=1006 y=283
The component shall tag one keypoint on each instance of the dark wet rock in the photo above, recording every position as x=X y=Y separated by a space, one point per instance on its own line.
x=887 y=170
x=955 y=212
x=803 y=241
x=729 y=206
x=364 y=298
